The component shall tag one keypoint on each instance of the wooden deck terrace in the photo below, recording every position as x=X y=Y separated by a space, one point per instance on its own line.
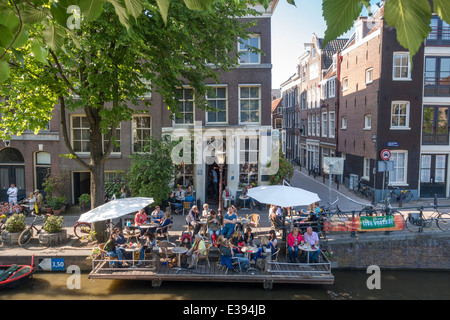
x=157 y=271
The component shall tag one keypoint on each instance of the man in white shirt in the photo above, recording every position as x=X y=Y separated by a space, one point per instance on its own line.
x=312 y=238
x=12 y=196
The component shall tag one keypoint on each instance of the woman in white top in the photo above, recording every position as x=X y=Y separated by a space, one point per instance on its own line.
x=206 y=211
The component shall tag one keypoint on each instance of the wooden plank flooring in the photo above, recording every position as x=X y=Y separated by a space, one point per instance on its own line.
x=281 y=273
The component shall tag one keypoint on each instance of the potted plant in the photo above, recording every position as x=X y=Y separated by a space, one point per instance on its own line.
x=53 y=232
x=85 y=201
x=57 y=203
x=14 y=227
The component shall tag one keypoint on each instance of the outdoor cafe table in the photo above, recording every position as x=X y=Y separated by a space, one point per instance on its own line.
x=148 y=226
x=179 y=251
x=249 y=250
x=307 y=248
x=203 y=226
x=244 y=199
x=243 y=221
x=133 y=249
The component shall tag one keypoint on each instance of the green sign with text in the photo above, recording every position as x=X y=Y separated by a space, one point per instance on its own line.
x=368 y=223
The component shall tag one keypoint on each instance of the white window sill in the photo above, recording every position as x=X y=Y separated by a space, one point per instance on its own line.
x=400 y=128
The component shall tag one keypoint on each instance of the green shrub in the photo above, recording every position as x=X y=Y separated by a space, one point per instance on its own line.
x=15 y=223
x=53 y=224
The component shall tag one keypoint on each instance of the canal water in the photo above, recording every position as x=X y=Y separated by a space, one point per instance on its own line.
x=349 y=285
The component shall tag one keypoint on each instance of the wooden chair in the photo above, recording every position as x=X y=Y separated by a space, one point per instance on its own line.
x=186 y=206
x=132 y=233
x=206 y=257
x=165 y=248
x=275 y=259
x=234 y=262
x=163 y=232
x=254 y=221
x=104 y=255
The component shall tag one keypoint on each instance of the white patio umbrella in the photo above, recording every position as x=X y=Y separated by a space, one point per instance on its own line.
x=283 y=196
x=115 y=209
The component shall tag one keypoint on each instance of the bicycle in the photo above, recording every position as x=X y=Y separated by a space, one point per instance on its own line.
x=314 y=171
x=82 y=229
x=27 y=234
x=405 y=195
x=363 y=190
x=416 y=222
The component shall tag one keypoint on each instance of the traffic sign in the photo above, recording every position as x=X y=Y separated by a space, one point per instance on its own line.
x=385 y=154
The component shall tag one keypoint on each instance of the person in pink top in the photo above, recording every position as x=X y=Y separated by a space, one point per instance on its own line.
x=294 y=240
x=140 y=219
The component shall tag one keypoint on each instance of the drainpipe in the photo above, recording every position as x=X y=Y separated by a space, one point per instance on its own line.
x=338 y=96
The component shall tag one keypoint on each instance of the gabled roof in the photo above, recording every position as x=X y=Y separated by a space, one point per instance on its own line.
x=275 y=104
x=330 y=49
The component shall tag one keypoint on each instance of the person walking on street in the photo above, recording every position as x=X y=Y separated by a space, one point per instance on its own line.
x=12 y=196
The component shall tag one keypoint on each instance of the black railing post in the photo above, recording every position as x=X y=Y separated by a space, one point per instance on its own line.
x=353 y=233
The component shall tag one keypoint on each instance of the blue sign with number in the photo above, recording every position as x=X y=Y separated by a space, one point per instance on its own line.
x=392 y=144
x=57 y=264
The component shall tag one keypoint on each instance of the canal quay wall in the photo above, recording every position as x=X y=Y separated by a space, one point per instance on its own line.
x=397 y=250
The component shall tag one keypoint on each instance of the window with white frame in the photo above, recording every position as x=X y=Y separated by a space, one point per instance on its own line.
x=332 y=124
x=399 y=175
x=218 y=101
x=309 y=125
x=249 y=103
x=313 y=99
x=324 y=124
x=148 y=85
x=308 y=98
x=313 y=129
x=314 y=70
x=345 y=84
x=115 y=140
x=318 y=125
x=366 y=169
x=185 y=98
x=80 y=134
x=401 y=69
x=400 y=115
x=367 y=122
x=248 y=160
x=142 y=131
x=331 y=88
x=369 y=75
x=245 y=46
x=324 y=90
x=343 y=123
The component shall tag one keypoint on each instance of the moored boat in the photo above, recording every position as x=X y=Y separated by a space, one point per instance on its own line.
x=14 y=275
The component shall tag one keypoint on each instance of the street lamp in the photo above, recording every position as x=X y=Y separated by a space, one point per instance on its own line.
x=220 y=160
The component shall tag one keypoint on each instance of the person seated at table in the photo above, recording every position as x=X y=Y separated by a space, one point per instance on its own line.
x=193 y=218
x=164 y=223
x=140 y=219
x=270 y=243
x=275 y=216
x=179 y=193
x=206 y=211
x=317 y=208
x=229 y=222
x=197 y=250
x=189 y=198
x=112 y=251
x=213 y=225
x=249 y=237
x=226 y=196
x=121 y=242
x=226 y=252
x=309 y=210
x=174 y=205
x=237 y=240
x=157 y=215
x=148 y=242
x=294 y=240
x=312 y=238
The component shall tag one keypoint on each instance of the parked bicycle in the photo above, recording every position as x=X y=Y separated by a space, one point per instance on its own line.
x=362 y=190
x=405 y=195
x=314 y=170
x=416 y=221
x=82 y=229
x=27 y=234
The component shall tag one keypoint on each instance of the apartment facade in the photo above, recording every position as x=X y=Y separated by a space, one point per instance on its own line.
x=243 y=102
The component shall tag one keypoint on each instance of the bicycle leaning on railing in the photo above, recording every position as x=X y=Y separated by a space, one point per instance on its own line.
x=416 y=221
x=404 y=194
x=362 y=190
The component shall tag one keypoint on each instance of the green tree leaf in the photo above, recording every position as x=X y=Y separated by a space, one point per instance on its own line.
x=4 y=71
x=39 y=53
x=163 y=6
x=31 y=15
x=411 y=19
x=121 y=12
x=54 y=36
x=339 y=16
x=134 y=7
x=6 y=36
x=198 y=4
x=442 y=8
x=91 y=9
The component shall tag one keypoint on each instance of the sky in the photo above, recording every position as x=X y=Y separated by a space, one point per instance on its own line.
x=292 y=27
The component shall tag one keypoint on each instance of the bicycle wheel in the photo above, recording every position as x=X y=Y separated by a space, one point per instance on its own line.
x=82 y=229
x=443 y=221
x=26 y=236
x=413 y=221
x=407 y=197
